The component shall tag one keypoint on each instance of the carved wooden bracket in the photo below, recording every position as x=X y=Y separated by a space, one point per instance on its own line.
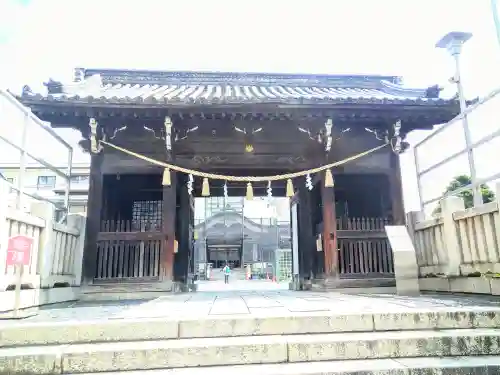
x=95 y=147
x=207 y=160
x=328 y=135
x=325 y=136
x=397 y=139
x=168 y=133
x=248 y=137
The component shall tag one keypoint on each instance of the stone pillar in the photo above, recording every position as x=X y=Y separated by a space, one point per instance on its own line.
x=78 y=221
x=412 y=218
x=497 y=219
x=450 y=236
x=45 y=211
x=405 y=260
x=4 y=225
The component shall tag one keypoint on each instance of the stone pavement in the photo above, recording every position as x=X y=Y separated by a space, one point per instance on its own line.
x=259 y=303
x=240 y=285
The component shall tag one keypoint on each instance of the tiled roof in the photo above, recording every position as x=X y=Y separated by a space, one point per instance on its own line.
x=156 y=88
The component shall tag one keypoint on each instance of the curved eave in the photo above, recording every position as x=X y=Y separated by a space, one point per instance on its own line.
x=152 y=102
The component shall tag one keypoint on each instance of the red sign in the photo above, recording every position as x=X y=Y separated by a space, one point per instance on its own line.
x=19 y=250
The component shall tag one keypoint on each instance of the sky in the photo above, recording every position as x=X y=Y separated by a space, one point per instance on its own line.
x=48 y=38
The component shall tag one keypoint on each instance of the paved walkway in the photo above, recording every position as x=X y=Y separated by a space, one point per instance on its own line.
x=259 y=303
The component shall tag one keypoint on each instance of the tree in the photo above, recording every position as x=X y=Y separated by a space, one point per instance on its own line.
x=461 y=181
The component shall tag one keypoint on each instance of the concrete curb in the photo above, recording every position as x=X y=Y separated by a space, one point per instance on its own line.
x=179 y=353
x=116 y=330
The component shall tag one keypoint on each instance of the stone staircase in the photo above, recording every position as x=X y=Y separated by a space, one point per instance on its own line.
x=454 y=341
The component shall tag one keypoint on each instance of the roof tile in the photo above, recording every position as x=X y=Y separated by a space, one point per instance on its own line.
x=138 y=87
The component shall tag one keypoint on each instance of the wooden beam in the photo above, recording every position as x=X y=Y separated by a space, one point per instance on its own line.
x=94 y=208
x=329 y=230
x=168 y=229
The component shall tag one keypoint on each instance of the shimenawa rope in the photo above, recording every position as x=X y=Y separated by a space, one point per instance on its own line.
x=213 y=176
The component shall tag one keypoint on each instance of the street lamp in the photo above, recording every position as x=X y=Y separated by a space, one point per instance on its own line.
x=496 y=21
x=453 y=42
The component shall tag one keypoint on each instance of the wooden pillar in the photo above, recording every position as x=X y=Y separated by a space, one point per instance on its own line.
x=93 y=223
x=396 y=187
x=307 y=242
x=329 y=230
x=183 y=232
x=168 y=229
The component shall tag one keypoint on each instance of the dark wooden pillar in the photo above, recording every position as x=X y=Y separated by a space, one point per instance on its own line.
x=168 y=229
x=329 y=230
x=307 y=242
x=183 y=256
x=93 y=222
x=396 y=186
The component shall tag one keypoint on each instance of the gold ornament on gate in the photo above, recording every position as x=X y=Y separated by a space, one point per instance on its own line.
x=329 y=178
x=205 y=188
x=166 y=177
x=289 y=188
x=249 y=195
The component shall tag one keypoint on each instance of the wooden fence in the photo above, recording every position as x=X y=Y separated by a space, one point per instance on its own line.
x=56 y=257
x=461 y=242
x=364 y=251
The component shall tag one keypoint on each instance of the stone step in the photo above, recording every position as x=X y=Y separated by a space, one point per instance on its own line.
x=161 y=328
x=405 y=366
x=179 y=353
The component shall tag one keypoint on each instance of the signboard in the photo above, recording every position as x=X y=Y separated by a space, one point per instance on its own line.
x=19 y=250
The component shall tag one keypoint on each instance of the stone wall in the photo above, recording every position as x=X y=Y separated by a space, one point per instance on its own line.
x=459 y=251
x=53 y=271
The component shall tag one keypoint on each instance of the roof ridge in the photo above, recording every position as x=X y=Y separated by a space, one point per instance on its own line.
x=140 y=76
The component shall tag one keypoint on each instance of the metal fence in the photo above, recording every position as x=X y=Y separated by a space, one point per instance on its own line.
x=468 y=145
x=22 y=131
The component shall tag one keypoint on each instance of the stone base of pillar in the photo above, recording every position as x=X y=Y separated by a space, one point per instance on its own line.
x=335 y=283
x=299 y=283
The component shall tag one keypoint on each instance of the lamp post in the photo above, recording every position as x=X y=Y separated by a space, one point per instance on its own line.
x=496 y=20
x=453 y=42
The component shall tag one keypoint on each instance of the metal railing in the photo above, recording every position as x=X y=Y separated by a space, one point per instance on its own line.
x=29 y=120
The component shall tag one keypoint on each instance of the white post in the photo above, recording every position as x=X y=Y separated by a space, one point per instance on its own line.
x=22 y=163
x=18 y=269
x=412 y=218
x=47 y=248
x=497 y=217
x=4 y=227
x=452 y=244
x=78 y=221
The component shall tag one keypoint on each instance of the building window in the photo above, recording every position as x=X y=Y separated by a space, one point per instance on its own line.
x=80 y=178
x=46 y=182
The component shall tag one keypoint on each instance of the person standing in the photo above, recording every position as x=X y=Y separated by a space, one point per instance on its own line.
x=227 y=271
